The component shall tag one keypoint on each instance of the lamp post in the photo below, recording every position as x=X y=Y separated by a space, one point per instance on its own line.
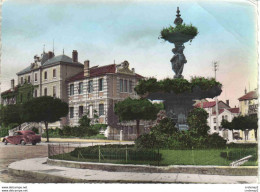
x=215 y=68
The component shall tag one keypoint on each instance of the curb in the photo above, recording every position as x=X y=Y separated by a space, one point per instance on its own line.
x=206 y=170
x=59 y=179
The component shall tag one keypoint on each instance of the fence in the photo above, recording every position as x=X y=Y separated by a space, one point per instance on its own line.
x=104 y=153
x=128 y=154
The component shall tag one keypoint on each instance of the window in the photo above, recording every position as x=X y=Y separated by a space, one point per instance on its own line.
x=90 y=86
x=21 y=80
x=80 y=87
x=90 y=111
x=45 y=75
x=215 y=120
x=29 y=79
x=130 y=86
x=80 y=111
x=226 y=117
x=100 y=84
x=54 y=73
x=101 y=109
x=71 y=89
x=121 y=85
x=223 y=117
x=71 y=112
x=125 y=85
x=45 y=92
x=215 y=128
x=54 y=91
x=35 y=93
x=35 y=77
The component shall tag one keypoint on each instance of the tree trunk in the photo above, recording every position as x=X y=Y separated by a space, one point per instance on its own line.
x=232 y=135
x=137 y=127
x=255 y=134
x=19 y=126
x=47 y=133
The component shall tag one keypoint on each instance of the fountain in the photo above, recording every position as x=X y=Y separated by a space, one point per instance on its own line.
x=178 y=93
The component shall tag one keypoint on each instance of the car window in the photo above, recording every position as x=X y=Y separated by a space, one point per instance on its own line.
x=20 y=133
x=15 y=134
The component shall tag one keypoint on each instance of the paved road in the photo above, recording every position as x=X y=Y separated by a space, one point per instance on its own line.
x=11 y=153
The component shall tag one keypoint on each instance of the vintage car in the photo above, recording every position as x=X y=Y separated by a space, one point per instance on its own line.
x=23 y=137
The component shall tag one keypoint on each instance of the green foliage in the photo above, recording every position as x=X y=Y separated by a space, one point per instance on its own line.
x=54 y=133
x=136 y=109
x=151 y=85
x=35 y=130
x=197 y=122
x=166 y=126
x=44 y=109
x=146 y=141
x=10 y=114
x=180 y=28
x=215 y=141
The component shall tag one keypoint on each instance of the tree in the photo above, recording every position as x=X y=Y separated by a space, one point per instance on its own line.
x=44 y=109
x=11 y=114
x=197 y=121
x=136 y=109
x=242 y=123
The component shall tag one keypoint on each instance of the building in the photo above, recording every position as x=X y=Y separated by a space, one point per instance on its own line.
x=248 y=105
x=46 y=76
x=95 y=90
x=225 y=112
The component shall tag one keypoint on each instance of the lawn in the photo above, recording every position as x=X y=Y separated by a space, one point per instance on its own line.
x=220 y=157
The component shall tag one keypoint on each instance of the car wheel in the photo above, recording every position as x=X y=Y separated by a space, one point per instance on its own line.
x=23 y=142
x=5 y=142
x=33 y=143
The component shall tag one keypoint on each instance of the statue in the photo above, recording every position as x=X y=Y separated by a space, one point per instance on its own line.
x=178 y=60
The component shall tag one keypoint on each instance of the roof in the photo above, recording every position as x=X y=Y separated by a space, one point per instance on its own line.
x=9 y=90
x=59 y=58
x=27 y=69
x=232 y=110
x=250 y=95
x=208 y=104
x=55 y=59
x=98 y=71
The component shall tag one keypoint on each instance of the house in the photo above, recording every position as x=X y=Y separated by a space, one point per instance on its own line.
x=225 y=112
x=95 y=90
x=248 y=105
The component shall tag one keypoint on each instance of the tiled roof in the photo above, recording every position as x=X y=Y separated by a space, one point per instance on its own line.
x=27 y=69
x=207 y=104
x=98 y=71
x=9 y=91
x=250 y=95
x=234 y=110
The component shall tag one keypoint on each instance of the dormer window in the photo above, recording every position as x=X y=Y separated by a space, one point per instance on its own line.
x=21 y=80
x=35 y=77
x=29 y=79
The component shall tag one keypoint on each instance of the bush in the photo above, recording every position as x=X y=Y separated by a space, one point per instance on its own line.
x=146 y=141
x=215 y=141
x=35 y=130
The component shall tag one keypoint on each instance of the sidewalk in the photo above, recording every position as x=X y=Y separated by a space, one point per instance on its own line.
x=39 y=169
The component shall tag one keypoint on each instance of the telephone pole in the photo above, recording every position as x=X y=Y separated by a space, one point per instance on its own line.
x=215 y=68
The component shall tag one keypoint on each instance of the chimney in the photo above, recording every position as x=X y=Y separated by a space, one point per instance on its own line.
x=12 y=84
x=50 y=55
x=227 y=102
x=75 y=56
x=86 y=68
x=133 y=70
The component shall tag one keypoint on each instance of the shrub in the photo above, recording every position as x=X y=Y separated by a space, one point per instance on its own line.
x=180 y=28
x=215 y=141
x=146 y=141
x=35 y=130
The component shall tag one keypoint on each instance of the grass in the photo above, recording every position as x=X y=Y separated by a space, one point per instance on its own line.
x=185 y=157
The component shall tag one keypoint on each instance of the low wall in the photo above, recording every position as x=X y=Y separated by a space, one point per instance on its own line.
x=208 y=170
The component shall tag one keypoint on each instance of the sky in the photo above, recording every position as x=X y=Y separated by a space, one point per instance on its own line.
x=115 y=30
